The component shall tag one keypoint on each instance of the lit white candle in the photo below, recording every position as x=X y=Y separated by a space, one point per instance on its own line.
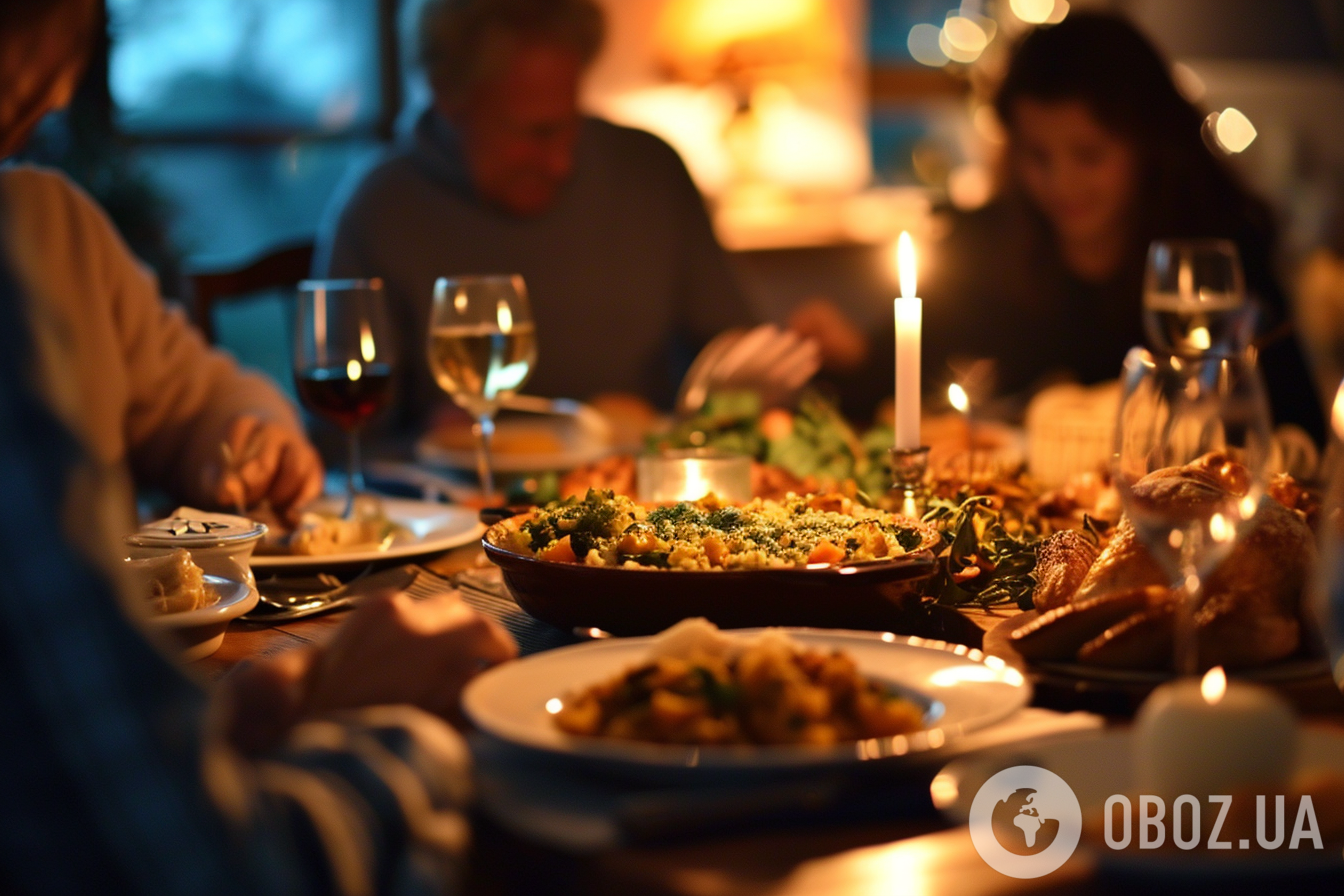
x=1212 y=737
x=909 y=322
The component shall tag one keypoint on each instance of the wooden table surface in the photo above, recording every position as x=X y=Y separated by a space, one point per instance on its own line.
x=916 y=854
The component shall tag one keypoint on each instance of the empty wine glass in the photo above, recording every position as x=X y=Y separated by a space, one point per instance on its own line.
x=1194 y=298
x=482 y=347
x=1175 y=411
x=343 y=358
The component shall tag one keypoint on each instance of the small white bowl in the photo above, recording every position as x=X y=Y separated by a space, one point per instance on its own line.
x=200 y=632
x=221 y=544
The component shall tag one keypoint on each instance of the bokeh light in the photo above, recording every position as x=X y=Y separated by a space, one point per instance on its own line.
x=1034 y=12
x=954 y=52
x=1058 y=13
x=1232 y=131
x=965 y=35
x=923 y=44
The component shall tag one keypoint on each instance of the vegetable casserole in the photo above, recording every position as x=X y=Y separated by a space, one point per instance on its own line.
x=604 y=529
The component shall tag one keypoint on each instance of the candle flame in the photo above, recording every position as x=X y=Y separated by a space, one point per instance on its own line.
x=353 y=370
x=958 y=398
x=1219 y=528
x=504 y=316
x=1337 y=413
x=554 y=705
x=366 y=347
x=905 y=262
x=1214 y=685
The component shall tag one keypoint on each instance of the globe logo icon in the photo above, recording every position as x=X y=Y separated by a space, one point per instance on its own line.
x=1025 y=821
x=1019 y=826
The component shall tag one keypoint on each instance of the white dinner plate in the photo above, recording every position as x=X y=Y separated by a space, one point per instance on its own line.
x=960 y=689
x=581 y=432
x=431 y=527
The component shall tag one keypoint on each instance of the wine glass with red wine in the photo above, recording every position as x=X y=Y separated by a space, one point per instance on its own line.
x=343 y=358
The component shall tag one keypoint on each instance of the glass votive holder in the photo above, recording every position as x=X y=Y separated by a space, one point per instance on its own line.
x=691 y=473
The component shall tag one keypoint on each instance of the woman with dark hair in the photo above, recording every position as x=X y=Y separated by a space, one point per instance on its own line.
x=1103 y=156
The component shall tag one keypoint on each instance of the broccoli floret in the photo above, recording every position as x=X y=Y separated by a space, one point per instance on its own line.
x=726 y=519
x=685 y=512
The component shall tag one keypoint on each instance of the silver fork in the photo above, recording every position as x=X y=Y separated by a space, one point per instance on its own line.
x=287 y=600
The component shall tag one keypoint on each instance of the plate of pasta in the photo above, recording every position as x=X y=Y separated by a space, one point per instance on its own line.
x=382 y=528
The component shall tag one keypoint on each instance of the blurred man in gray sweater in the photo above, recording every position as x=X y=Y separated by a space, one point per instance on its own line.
x=505 y=175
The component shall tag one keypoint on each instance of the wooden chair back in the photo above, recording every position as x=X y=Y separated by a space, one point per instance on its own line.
x=281 y=268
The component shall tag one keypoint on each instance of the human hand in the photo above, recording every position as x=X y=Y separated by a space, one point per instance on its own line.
x=263 y=699
x=264 y=460
x=767 y=360
x=391 y=650
x=843 y=345
x=396 y=649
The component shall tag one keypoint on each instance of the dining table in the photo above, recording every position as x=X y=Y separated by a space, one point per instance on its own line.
x=880 y=834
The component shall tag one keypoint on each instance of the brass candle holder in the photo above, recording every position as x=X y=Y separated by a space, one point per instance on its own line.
x=908 y=469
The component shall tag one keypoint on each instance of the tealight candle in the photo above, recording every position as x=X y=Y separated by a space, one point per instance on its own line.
x=909 y=323
x=690 y=474
x=1212 y=737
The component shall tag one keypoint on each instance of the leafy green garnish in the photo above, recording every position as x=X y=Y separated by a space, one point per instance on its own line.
x=982 y=563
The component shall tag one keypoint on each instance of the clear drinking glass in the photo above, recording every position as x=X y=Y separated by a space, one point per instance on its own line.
x=1194 y=298
x=482 y=347
x=1174 y=411
x=1327 y=587
x=343 y=359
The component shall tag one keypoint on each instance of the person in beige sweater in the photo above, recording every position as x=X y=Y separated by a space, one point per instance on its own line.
x=147 y=391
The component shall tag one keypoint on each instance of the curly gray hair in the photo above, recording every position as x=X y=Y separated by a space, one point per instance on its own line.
x=463 y=42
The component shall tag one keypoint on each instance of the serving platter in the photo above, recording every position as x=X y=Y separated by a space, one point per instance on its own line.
x=429 y=527
x=876 y=595
x=1305 y=679
x=960 y=690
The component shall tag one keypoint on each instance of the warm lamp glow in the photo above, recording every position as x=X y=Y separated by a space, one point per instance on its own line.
x=1214 y=685
x=905 y=264
x=701 y=40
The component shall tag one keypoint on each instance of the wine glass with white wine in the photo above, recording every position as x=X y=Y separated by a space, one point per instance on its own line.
x=1209 y=412
x=1194 y=298
x=482 y=348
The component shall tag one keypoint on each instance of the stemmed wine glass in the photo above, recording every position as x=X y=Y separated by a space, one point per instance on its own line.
x=482 y=347
x=343 y=359
x=1194 y=298
x=1174 y=411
